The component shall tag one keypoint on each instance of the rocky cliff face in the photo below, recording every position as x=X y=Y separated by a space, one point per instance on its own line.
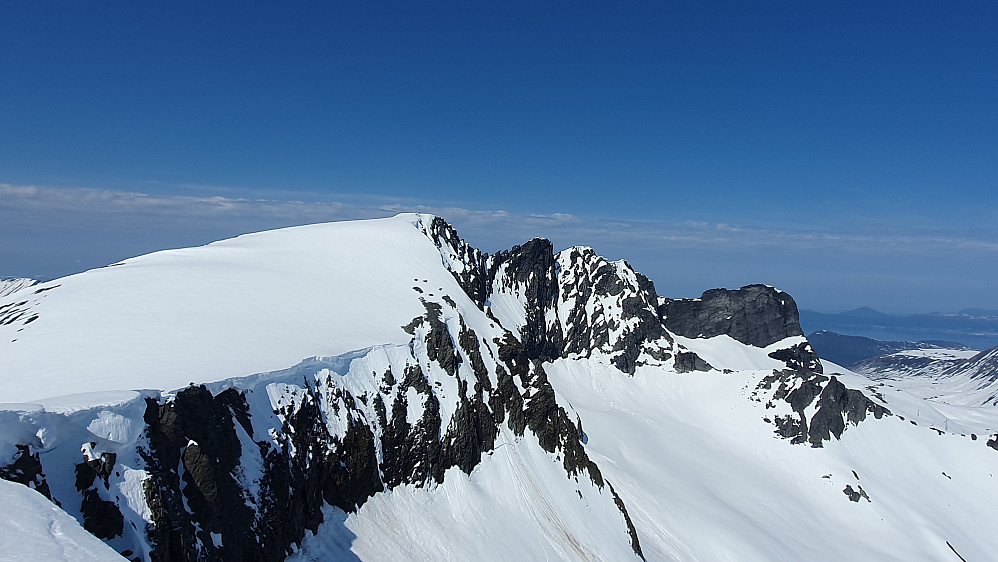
x=756 y=315
x=241 y=470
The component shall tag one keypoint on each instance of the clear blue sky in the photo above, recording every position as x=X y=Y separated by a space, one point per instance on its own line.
x=844 y=151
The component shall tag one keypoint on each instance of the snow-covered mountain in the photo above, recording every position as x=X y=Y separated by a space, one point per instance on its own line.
x=382 y=390
x=929 y=362
x=849 y=350
x=963 y=377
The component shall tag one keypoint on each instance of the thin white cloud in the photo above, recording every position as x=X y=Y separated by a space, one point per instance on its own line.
x=485 y=227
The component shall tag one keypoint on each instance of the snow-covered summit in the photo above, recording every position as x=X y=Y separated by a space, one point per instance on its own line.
x=254 y=303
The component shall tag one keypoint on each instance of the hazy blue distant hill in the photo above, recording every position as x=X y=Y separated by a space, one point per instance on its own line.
x=976 y=328
x=847 y=350
x=864 y=312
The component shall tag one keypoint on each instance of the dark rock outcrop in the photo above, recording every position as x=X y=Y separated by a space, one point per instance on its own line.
x=530 y=271
x=800 y=357
x=687 y=362
x=468 y=265
x=101 y=517
x=838 y=405
x=192 y=492
x=27 y=470
x=756 y=315
x=855 y=495
x=611 y=309
x=835 y=407
x=577 y=302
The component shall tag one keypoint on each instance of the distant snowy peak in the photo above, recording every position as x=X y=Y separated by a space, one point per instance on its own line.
x=979 y=373
x=849 y=350
x=926 y=362
x=961 y=376
x=983 y=365
x=10 y=285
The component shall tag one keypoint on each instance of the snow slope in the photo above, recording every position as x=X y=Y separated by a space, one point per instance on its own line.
x=255 y=303
x=42 y=531
x=705 y=481
x=517 y=505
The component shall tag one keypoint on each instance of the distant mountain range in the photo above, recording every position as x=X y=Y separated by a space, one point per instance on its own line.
x=849 y=350
x=949 y=376
x=973 y=327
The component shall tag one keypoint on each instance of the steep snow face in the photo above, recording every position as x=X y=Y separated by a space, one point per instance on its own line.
x=41 y=531
x=516 y=504
x=703 y=479
x=254 y=303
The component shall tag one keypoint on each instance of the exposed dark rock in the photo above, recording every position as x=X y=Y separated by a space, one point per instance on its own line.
x=802 y=396
x=688 y=361
x=469 y=342
x=88 y=471
x=993 y=442
x=101 y=517
x=351 y=470
x=531 y=270
x=411 y=453
x=756 y=315
x=196 y=441
x=472 y=431
x=196 y=432
x=439 y=345
x=855 y=495
x=507 y=403
x=791 y=427
x=27 y=469
x=836 y=406
x=541 y=413
x=631 y=531
x=613 y=309
x=410 y=328
x=473 y=276
x=801 y=357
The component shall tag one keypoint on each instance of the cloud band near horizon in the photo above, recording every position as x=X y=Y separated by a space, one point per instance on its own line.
x=62 y=230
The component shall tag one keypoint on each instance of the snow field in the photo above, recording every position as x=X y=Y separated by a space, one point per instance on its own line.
x=705 y=479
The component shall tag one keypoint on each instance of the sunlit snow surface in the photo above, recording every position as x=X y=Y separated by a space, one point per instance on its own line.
x=259 y=302
x=33 y=529
x=702 y=474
